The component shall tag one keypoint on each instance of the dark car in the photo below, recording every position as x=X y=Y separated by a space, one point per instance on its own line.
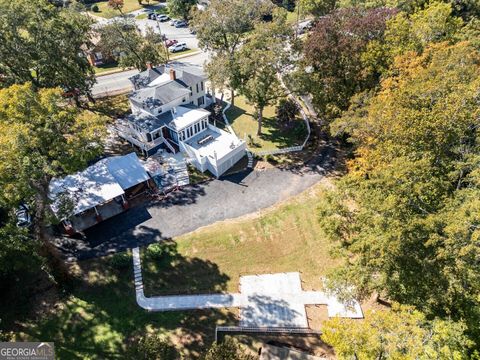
x=24 y=219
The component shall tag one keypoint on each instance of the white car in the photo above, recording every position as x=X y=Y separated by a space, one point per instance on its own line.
x=173 y=21
x=162 y=18
x=178 y=47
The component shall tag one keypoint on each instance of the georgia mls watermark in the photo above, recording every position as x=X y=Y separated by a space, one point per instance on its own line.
x=27 y=351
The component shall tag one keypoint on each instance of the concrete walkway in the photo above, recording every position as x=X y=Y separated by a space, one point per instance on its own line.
x=270 y=300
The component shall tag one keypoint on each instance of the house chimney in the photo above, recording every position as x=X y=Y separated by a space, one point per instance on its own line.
x=173 y=76
x=149 y=65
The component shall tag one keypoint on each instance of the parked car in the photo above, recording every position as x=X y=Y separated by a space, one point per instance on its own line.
x=180 y=24
x=151 y=15
x=162 y=18
x=178 y=47
x=171 y=42
x=193 y=31
x=23 y=216
x=173 y=21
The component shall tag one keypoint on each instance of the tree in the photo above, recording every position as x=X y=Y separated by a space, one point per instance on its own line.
x=414 y=32
x=221 y=29
x=317 y=7
x=287 y=110
x=124 y=41
x=152 y=347
x=332 y=69
x=400 y=333
x=44 y=47
x=42 y=137
x=409 y=204
x=19 y=258
x=227 y=349
x=259 y=63
x=116 y=5
x=180 y=8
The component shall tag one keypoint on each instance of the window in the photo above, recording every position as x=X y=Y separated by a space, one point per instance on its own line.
x=197 y=87
x=190 y=90
x=183 y=100
x=201 y=85
x=200 y=101
x=197 y=127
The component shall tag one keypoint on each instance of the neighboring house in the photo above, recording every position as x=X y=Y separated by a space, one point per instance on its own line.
x=99 y=192
x=168 y=112
x=94 y=53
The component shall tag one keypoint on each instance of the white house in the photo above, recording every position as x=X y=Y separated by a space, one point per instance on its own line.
x=168 y=112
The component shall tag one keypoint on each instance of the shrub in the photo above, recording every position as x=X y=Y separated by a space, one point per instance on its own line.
x=120 y=260
x=95 y=8
x=287 y=110
x=160 y=250
x=151 y=347
x=228 y=349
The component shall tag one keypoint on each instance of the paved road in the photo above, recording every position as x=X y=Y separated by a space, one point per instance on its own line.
x=197 y=205
x=113 y=83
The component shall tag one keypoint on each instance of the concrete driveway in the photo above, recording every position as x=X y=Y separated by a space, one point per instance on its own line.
x=195 y=206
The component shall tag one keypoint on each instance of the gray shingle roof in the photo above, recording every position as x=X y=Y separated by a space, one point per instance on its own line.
x=150 y=122
x=153 y=97
x=187 y=76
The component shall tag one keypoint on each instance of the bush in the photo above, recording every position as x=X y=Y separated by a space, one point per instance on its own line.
x=120 y=260
x=95 y=8
x=287 y=110
x=228 y=349
x=161 y=250
x=151 y=347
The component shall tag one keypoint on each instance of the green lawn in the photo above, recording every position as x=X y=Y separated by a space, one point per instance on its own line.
x=129 y=6
x=274 y=135
x=181 y=53
x=107 y=68
x=100 y=316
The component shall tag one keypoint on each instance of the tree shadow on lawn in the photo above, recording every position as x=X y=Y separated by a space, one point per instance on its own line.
x=284 y=135
x=180 y=275
x=101 y=316
x=234 y=112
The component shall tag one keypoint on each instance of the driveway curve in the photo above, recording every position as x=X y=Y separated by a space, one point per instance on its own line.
x=198 y=205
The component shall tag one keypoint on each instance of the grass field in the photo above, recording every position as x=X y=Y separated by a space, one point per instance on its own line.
x=128 y=6
x=100 y=316
x=274 y=135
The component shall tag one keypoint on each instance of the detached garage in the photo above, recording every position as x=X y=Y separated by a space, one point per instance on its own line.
x=99 y=192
